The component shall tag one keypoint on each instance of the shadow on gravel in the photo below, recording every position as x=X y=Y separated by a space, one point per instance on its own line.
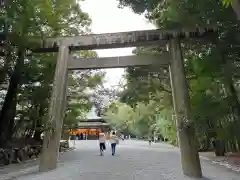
x=27 y=174
x=193 y=178
x=205 y=178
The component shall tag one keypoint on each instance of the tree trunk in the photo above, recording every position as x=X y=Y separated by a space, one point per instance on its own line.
x=18 y=124
x=233 y=145
x=205 y=144
x=7 y=114
x=219 y=148
x=236 y=7
x=238 y=145
x=12 y=120
x=39 y=128
x=185 y=129
x=7 y=54
x=233 y=94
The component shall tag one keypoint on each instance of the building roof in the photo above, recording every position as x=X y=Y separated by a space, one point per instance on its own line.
x=93 y=120
x=91 y=123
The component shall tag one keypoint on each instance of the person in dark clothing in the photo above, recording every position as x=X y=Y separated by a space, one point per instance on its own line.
x=149 y=140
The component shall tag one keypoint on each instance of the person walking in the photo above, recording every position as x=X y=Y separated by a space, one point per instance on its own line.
x=149 y=140
x=102 y=141
x=114 y=141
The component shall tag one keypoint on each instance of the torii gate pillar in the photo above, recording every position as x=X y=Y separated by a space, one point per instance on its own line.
x=56 y=112
x=185 y=130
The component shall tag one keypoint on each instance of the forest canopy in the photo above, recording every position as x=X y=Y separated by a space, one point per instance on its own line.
x=26 y=80
x=145 y=105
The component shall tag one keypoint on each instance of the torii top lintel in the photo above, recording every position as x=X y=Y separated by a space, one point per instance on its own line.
x=117 y=40
x=122 y=39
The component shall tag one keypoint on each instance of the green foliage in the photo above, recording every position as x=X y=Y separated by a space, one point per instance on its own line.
x=139 y=119
x=166 y=126
x=119 y=115
x=211 y=68
x=226 y=3
x=24 y=21
x=79 y=81
x=144 y=82
x=139 y=6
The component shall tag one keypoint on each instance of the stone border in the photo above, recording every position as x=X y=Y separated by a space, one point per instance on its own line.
x=222 y=163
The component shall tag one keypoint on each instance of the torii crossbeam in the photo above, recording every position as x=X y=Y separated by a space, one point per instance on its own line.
x=117 y=62
x=117 y=40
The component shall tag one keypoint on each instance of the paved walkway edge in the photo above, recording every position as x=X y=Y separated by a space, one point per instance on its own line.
x=226 y=165
x=26 y=171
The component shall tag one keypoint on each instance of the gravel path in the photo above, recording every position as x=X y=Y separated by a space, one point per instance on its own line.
x=134 y=160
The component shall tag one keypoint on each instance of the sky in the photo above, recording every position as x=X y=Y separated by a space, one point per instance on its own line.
x=108 y=18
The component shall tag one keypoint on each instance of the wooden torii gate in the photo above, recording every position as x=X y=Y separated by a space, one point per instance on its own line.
x=174 y=59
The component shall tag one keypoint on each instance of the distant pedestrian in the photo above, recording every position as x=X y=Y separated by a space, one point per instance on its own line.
x=122 y=137
x=114 y=141
x=102 y=143
x=149 y=140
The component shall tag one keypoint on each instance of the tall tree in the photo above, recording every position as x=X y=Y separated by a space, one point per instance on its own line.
x=25 y=20
x=211 y=66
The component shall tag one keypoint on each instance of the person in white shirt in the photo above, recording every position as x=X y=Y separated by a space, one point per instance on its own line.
x=114 y=141
x=102 y=145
